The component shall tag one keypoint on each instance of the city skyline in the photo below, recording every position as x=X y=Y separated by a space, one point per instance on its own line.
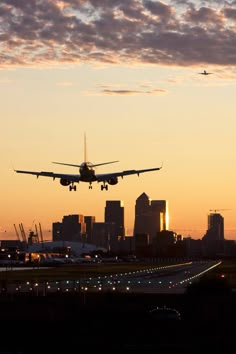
x=111 y=207
x=127 y=74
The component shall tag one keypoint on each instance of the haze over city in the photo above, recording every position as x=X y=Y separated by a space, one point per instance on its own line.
x=127 y=74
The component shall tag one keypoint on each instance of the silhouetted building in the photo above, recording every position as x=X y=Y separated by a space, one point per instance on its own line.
x=215 y=227
x=150 y=216
x=230 y=248
x=11 y=244
x=114 y=212
x=142 y=245
x=213 y=240
x=194 y=248
x=164 y=244
x=72 y=228
x=102 y=234
x=89 y=221
x=33 y=238
x=161 y=207
x=125 y=246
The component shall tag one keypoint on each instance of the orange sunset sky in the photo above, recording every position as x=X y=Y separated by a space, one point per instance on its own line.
x=128 y=74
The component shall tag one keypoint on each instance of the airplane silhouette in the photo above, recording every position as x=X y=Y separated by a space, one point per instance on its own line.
x=204 y=73
x=87 y=173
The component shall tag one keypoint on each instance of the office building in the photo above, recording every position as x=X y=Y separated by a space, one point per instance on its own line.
x=89 y=221
x=72 y=228
x=216 y=225
x=102 y=234
x=161 y=206
x=213 y=240
x=150 y=216
x=114 y=213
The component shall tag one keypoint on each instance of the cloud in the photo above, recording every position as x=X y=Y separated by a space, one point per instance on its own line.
x=145 y=88
x=131 y=92
x=172 y=33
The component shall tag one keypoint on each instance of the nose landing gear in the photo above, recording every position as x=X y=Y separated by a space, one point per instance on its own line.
x=72 y=187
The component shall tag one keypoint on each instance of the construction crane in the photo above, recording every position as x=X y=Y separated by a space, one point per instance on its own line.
x=36 y=233
x=23 y=233
x=215 y=210
x=17 y=233
x=41 y=234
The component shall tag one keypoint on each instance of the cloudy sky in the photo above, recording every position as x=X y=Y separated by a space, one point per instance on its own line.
x=128 y=74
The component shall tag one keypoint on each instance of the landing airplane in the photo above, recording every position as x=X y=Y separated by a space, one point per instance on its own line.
x=87 y=174
x=205 y=73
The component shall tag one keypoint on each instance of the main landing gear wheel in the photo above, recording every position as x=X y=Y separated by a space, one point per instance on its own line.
x=105 y=186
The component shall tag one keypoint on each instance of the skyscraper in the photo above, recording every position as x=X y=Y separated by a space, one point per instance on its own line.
x=114 y=213
x=89 y=221
x=161 y=206
x=150 y=216
x=213 y=240
x=215 y=229
x=72 y=228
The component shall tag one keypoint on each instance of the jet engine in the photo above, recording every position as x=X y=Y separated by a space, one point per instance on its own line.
x=112 y=181
x=65 y=182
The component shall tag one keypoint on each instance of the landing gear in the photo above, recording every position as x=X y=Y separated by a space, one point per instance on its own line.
x=72 y=187
x=104 y=186
x=90 y=186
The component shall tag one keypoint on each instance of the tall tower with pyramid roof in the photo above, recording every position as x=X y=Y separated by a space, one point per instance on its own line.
x=149 y=219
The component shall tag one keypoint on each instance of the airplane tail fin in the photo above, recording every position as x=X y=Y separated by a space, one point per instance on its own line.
x=85 y=155
x=85 y=148
x=85 y=158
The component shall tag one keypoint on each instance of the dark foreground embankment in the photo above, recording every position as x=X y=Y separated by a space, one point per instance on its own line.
x=117 y=322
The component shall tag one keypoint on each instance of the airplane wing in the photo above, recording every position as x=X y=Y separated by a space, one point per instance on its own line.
x=205 y=73
x=70 y=177
x=107 y=176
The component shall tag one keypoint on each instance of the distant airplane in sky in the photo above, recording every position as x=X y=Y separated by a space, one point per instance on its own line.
x=87 y=174
x=205 y=73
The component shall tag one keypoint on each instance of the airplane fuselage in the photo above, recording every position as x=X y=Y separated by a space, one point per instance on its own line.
x=87 y=172
x=205 y=73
